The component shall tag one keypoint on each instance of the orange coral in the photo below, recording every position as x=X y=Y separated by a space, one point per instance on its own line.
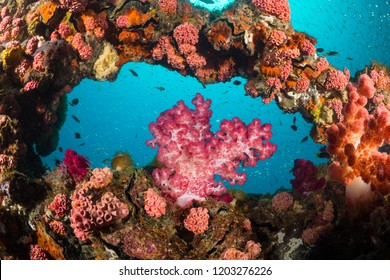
x=297 y=40
x=135 y=17
x=220 y=35
x=128 y=37
x=132 y=53
x=48 y=243
x=270 y=71
x=47 y=11
x=149 y=32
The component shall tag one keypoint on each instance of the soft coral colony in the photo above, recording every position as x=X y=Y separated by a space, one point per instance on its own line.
x=176 y=208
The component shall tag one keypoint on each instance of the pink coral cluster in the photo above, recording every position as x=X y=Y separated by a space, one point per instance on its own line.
x=276 y=38
x=282 y=201
x=31 y=85
x=87 y=214
x=380 y=78
x=6 y=162
x=101 y=177
x=155 y=205
x=302 y=85
x=32 y=45
x=59 y=205
x=308 y=48
x=337 y=106
x=252 y=251
x=37 y=253
x=168 y=6
x=322 y=64
x=226 y=70
x=193 y=155
x=64 y=30
x=163 y=48
x=58 y=227
x=186 y=36
x=197 y=221
x=38 y=63
x=337 y=80
x=85 y=51
x=96 y=24
x=354 y=142
x=74 y=6
x=305 y=181
x=278 y=8
x=77 y=166
x=10 y=27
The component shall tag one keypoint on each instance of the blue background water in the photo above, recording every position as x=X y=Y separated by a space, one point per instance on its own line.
x=115 y=116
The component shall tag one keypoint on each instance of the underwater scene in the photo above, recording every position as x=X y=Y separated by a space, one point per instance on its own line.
x=194 y=129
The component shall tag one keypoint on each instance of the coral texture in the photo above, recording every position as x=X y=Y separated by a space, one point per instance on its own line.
x=193 y=155
x=354 y=143
x=76 y=165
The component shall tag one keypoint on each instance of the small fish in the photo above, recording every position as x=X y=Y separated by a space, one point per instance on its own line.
x=294 y=127
x=294 y=120
x=135 y=74
x=82 y=144
x=349 y=58
x=75 y=118
x=209 y=2
x=323 y=153
x=74 y=102
x=331 y=53
x=304 y=139
x=57 y=162
x=203 y=85
x=160 y=88
x=60 y=149
x=77 y=135
x=106 y=160
x=236 y=83
x=385 y=148
x=320 y=50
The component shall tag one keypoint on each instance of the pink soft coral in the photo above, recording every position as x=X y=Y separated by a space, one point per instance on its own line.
x=193 y=155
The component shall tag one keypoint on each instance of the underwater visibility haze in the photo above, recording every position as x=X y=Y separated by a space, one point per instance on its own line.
x=199 y=129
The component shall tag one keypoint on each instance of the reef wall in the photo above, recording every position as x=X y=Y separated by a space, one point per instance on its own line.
x=47 y=47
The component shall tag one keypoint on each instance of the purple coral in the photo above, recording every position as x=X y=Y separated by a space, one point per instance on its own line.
x=305 y=173
x=76 y=165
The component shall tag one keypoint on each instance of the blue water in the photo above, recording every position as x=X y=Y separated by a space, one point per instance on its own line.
x=356 y=29
x=115 y=116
